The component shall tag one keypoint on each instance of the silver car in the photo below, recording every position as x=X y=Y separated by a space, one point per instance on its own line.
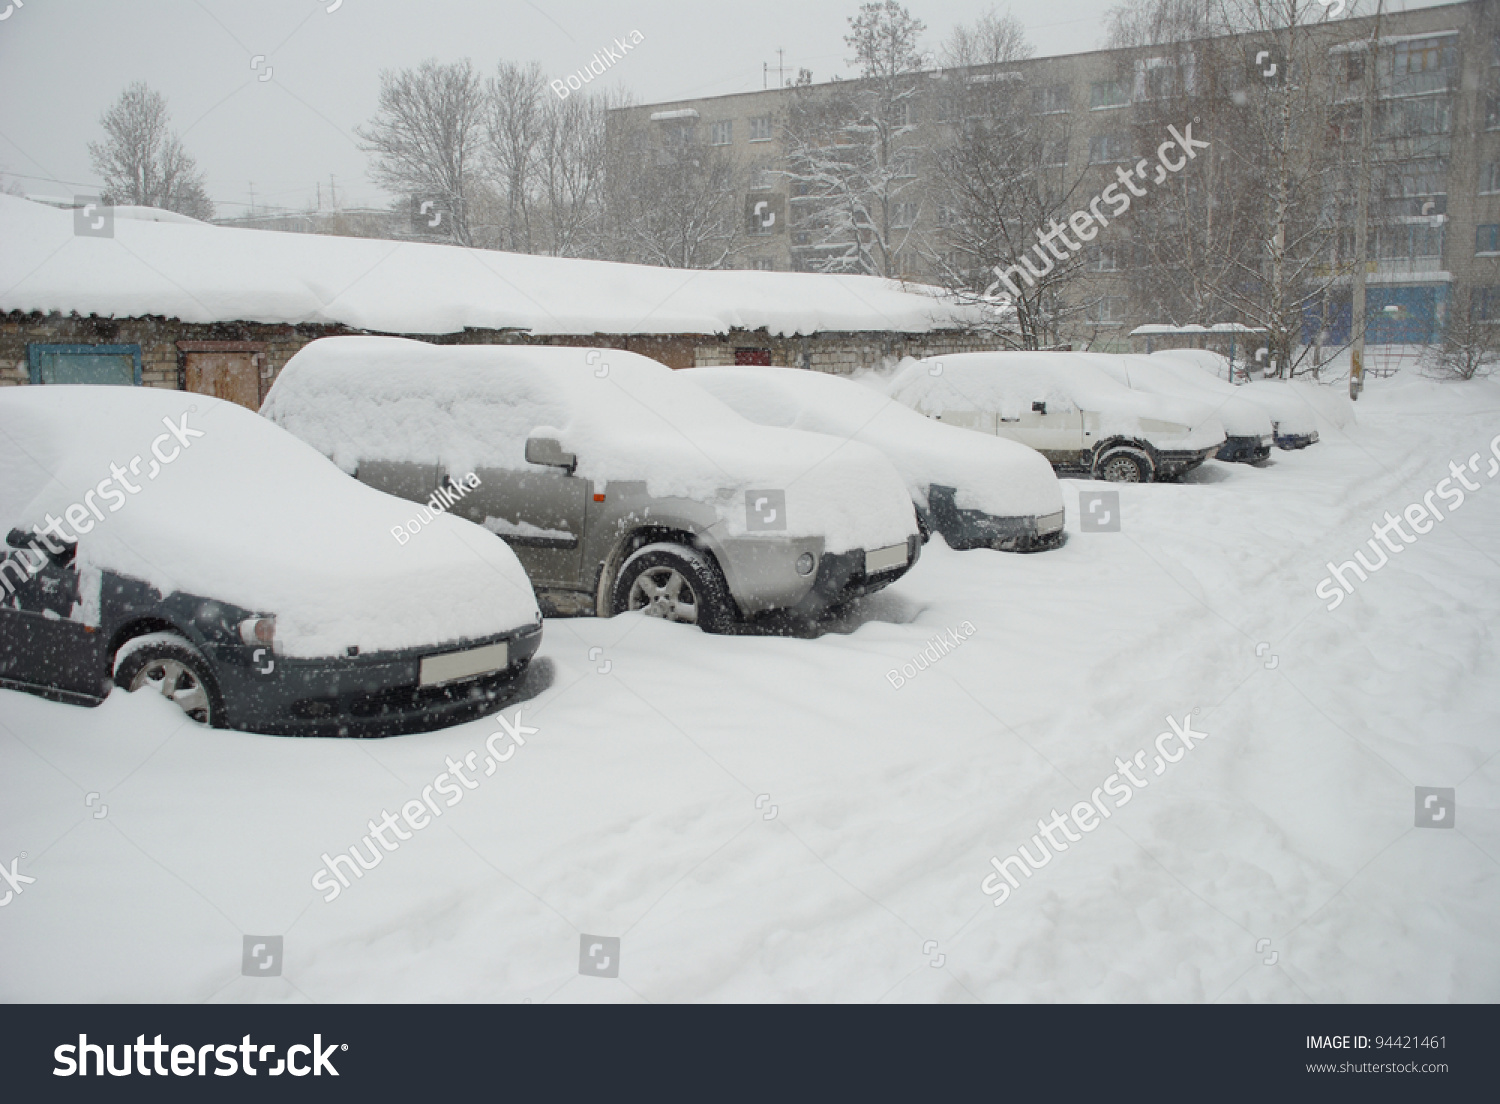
x=619 y=485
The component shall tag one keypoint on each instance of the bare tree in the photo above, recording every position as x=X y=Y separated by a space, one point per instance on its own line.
x=1000 y=173
x=142 y=162
x=671 y=199
x=1470 y=344
x=852 y=154
x=515 y=125
x=570 y=174
x=428 y=135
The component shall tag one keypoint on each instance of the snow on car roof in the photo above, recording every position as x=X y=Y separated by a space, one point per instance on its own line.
x=992 y=474
x=625 y=417
x=200 y=273
x=231 y=508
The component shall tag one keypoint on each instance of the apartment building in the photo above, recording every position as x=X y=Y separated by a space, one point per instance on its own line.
x=1434 y=212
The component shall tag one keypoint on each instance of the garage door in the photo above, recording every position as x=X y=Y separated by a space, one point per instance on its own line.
x=232 y=376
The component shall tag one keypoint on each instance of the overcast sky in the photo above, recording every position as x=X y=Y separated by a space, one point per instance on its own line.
x=63 y=61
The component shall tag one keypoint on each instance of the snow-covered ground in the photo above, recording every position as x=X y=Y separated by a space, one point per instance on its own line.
x=764 y=818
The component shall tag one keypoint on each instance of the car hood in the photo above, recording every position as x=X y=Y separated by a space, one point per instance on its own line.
x=243 y=513
x=992 y=474
x=1292 y=415
x=1240 y=416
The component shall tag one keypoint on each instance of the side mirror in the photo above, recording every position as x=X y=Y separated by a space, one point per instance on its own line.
x=1039 y=407
x=547 y=452
x=18 y=538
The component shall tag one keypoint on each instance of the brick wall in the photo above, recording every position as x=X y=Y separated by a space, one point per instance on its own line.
x=161 y=360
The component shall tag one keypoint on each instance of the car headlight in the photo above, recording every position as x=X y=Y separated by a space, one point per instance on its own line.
x=805 y=563
x=258 y=630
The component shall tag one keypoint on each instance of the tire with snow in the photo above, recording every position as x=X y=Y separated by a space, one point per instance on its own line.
x=1124 y=464
x=674 y=582
x=170 y=665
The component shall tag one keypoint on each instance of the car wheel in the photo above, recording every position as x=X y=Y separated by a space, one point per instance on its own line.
x=1124 y=465
x=676 y=583
x=170 y=665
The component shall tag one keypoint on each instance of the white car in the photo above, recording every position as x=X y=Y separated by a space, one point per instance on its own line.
x=1075 y=415
x=618 y=484
x=1292 y=421
x=1249 y=428
x=976 y=492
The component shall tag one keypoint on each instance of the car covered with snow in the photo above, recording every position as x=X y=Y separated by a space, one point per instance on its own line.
x=620 y=485
x=171 y=542
x=1077 y=416
x=977 y=492
x=1248 y=427
x=1292 y=421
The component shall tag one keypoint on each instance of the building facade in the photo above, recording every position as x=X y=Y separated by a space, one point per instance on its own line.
x=1434 y=156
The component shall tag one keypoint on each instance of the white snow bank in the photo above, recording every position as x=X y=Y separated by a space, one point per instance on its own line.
x=1008 y=383
x=202 y=273
x=992 y=474
x=625 y=417
x=245 y=514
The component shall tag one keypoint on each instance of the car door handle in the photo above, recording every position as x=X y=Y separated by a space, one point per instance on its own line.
x=1010 y=419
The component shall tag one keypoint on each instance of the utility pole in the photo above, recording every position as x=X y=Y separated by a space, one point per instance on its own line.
x=252 y=197
x=1361 y=230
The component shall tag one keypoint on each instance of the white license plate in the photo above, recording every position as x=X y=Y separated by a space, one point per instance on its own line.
x=1051 y=523
x=883 y=559
x=458 y=665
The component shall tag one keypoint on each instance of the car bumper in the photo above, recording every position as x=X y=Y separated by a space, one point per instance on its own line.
x=1174 y=462
x=367 y=695
x=1244 y=450
x=1296 y=440
x=841 y=576
x=966 y=529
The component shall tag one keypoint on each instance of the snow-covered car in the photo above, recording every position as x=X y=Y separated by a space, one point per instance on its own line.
x=1292 y=420
x=1075 y=415
x=620 y=485
x=1249 y=428
x=169 y=541
x=976 y=492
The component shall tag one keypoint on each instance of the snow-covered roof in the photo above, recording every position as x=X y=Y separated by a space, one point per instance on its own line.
x=202 y=273
x=680 y=113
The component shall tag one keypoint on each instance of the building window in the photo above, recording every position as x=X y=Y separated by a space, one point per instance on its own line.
x=119 y=365
x=722 y=134
x=1489 y=178
x=905 y=114
x=760 y=128
x=1484 y=304
x=1354 y=67
x=1106 y=149
x=1409 y=242
x=1055 y=153
x=1424 y=65
x=1108 y=310
x=1487 y=238
x=1426 y=115
x=1159 y=79
x=903 y=215
x=762 y=264
x=1428 y=176
x=1492 y=111
x=1050 y=100
x=763 y=179
x=1103 y=258
x=1109 y=93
